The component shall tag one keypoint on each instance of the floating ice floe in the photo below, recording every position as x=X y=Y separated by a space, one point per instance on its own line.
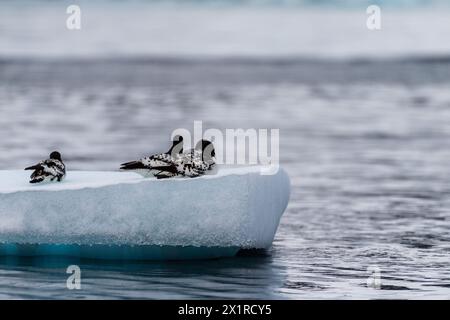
x=120 y=215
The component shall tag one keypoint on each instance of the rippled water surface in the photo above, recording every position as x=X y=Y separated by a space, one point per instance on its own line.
x=366 y=145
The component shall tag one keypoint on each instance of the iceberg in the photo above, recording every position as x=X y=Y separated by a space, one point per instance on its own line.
x=121 y=215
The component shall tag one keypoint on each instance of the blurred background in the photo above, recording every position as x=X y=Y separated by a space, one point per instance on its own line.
x=363 y=118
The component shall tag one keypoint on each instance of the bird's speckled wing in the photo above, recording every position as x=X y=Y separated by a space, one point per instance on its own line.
x=48 y=170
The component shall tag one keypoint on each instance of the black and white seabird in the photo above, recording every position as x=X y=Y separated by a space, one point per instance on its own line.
x=50 y=170
x=146 y=166
x=192 y=163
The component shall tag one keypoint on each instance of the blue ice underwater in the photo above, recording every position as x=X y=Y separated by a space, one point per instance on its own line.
x=122 y=216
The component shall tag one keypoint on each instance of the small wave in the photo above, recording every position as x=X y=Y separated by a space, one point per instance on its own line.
x=303 y=285
x=218 y=60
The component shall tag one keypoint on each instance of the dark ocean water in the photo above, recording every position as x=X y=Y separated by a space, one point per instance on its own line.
x=366 y=144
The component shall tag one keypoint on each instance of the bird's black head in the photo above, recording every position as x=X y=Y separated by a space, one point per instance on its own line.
x=177 y=145
x=55 y=155
x=177 y=139
x=207 y=149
